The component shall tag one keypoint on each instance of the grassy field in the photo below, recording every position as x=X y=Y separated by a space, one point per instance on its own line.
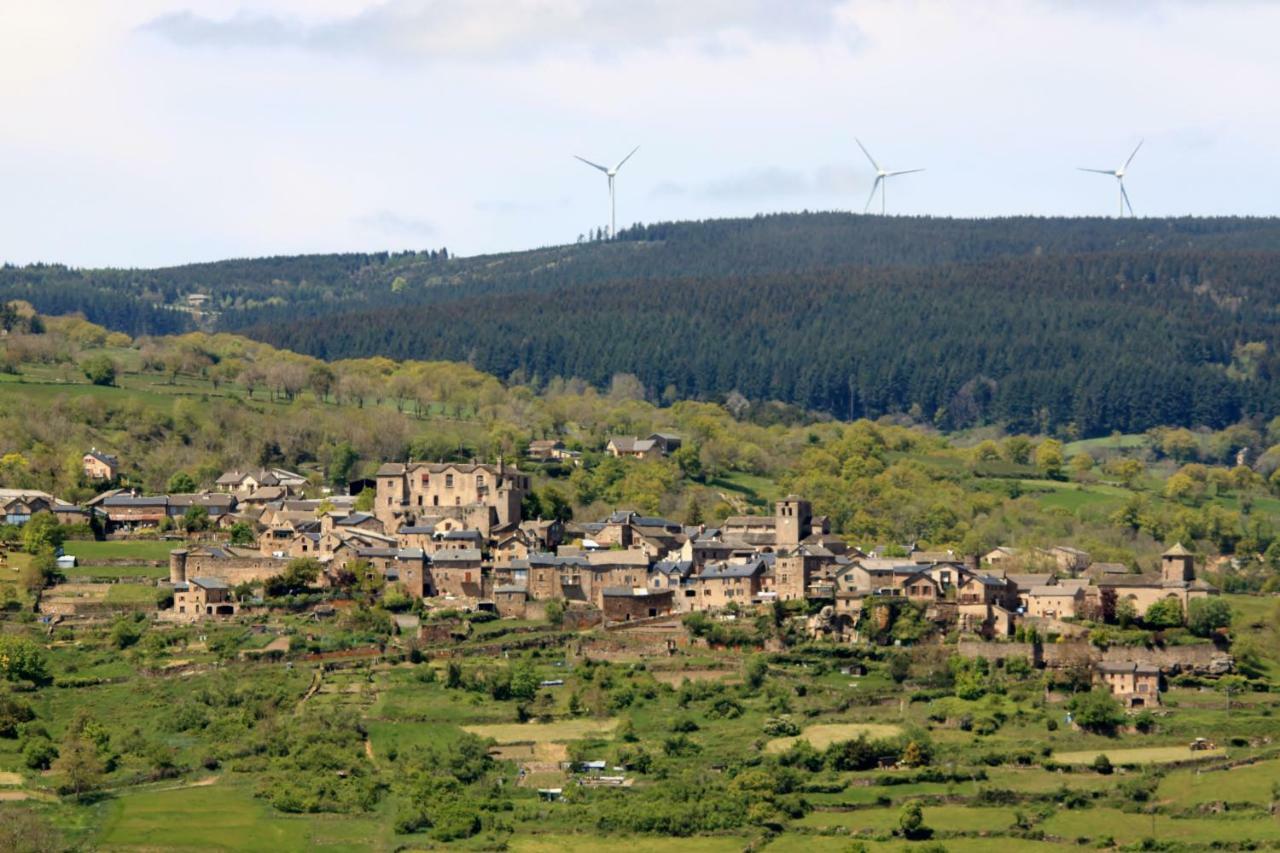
x=1128 y=828
x=131 y=593
x=225 y=816
x=1251 y=783
x=557 y=732
x=632 y=844
x=1139 y=756
x=86 y=551
x=938 y=818
x=822 y=736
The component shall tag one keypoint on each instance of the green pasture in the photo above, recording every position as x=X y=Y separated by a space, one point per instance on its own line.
x=226 y=816
x=86 y=551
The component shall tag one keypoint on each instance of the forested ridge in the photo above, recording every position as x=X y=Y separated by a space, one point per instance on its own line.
x=1040 y=324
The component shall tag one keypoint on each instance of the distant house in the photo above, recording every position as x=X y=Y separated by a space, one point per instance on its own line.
x=1137 y=685
x=656 y=445
x=132 y=511
x=245 y=483
x=550 y=449
x=203 y=597
x=1055 y=602
x=100 y=466
x=217 y=505
x=624 y=603
x=18 y=505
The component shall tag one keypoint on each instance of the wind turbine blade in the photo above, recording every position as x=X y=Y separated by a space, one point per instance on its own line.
x=904 y=172
x=593 y=165
x=1099 y=171
x=874 y=186
x=1125 y=196
x=1131 y=156
x=868 y=153
x=625 y=159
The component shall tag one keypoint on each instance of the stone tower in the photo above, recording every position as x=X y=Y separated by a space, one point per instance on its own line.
x=793 y=521
x=178 y=566
x=1177 y=565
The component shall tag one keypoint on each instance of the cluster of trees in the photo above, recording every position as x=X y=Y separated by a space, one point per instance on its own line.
x=1090 y=324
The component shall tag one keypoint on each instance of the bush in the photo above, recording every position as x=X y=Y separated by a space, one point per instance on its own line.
x=39 y=753
x=22 y=660
x=1097 y=711
x=1102 y=764
x=99 y=370
x=780 y=727
x=1208 y=616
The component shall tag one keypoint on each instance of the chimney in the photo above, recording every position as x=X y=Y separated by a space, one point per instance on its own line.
x=971 y=562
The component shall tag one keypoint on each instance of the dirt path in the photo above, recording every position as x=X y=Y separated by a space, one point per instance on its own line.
x=317 y=679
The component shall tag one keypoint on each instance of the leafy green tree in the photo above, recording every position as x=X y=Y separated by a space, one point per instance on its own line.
x=298 y=576
x=22 y=660
x=341 y=462
x=43 y=532
x=195 y=519
x=242 y=533
x=78 y=767
x=181 y=483
x=1017 y=449
x=125 y=632
x=911 y=820
x=99 y=369
x=1208 y=616
x=1165 y=613
x=364 y=500
x=1126 y=612
x=1097 y=711
x=1081 y=464
x=1049 y=458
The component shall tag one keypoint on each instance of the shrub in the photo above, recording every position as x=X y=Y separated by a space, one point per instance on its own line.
x=1097 y=711
x=1102 y=764
x=39 y=753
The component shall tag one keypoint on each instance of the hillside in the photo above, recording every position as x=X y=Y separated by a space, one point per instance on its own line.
x=1082 y=326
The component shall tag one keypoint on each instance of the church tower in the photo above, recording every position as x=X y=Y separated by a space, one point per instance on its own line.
x=1177 y=565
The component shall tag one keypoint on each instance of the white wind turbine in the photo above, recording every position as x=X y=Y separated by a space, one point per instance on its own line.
x=611 y=174
x=1118 y=174
x=882 y=178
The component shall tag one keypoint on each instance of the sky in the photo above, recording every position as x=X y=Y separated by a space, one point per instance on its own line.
x=154 y=132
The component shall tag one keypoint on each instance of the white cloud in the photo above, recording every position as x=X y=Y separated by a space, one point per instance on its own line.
x=392 y=224
x=770 y=183
x=514 y=29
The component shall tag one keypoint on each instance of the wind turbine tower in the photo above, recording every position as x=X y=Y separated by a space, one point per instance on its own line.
x=610 y=174
x=1119 y=174
x=882 y=179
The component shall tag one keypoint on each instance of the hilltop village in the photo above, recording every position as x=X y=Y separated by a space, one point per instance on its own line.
x=448 y=535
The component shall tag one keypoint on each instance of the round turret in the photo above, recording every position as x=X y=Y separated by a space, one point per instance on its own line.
x=178 y=566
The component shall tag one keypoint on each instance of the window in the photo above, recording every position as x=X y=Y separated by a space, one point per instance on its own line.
x=479 y=481
x=448 y=481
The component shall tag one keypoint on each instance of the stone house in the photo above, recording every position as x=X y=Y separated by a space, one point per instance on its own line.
x=625 y=604
x=482 y=496
x=100 y=466
x=653 y=447
x=457 y=573
x=721 y=584
x=1137 y=685
x=1055 y=602
x=203 y=596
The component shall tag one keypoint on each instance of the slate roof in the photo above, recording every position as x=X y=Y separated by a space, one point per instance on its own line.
x=210 y=583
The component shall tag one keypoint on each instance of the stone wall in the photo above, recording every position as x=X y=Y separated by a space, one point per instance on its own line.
x=234 y=570
x=1204 y=658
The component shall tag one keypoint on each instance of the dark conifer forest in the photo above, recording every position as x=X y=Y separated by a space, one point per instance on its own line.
x=1030 y=322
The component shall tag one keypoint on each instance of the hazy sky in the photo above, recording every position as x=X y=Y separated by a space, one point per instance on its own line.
x=146 y=132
